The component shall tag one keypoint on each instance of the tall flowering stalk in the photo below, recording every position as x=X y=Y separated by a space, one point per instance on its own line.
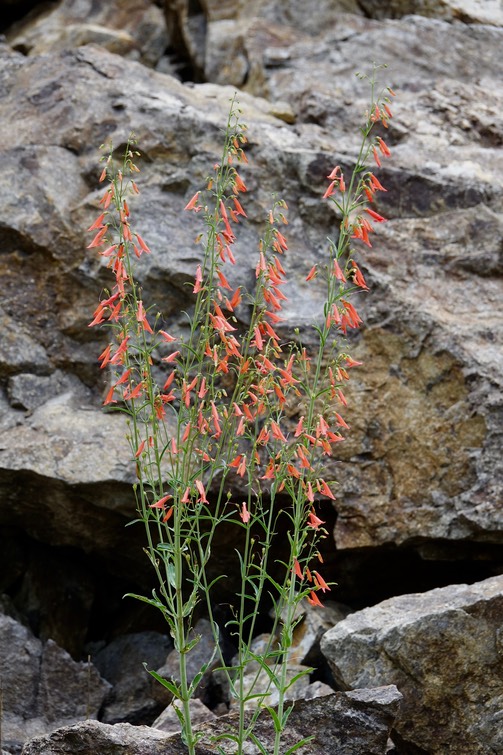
x=209 y=409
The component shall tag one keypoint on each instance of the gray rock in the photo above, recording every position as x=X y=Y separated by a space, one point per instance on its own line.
x=258 y=682
x=424 y=412
x=29 y=391
x=43 y=688
x=18 y=350
x=134 y=29
x=469 y=11
x=355 y=723
x=135 y=696
x=68 y=691
x=203 y=653
x=442 y=650
x=169 y=722
x=305 y=649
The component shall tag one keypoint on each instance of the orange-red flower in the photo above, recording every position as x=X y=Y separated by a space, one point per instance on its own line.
x=313 y=599
x=192 y=204
x=314 y=521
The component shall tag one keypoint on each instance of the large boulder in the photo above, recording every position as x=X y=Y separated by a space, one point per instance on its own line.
x=443 y=651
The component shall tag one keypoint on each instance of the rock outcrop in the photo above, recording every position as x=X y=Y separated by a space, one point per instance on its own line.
x=422 y=460
x=352 y=723
x=420 y=474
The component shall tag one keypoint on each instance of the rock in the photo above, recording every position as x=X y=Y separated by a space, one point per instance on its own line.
x=19 y=351
x=43 y=688
x=420 y=473
x=135 y=696
x=317 y=689
x=134 y=28
x=169 y=722
x=442 y=650
x=468 y=11
x=68 y=691
x=305 y=649
x=426 y=359
x=203 y=654
x=28 y=391
x=94 y=736
x=441 y=368
x=258 y=682
x=355 y=723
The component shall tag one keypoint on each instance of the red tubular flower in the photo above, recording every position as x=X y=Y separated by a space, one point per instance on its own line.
x=297 y=570
x=201 y=491
x=384 y=147
x=325 y=490
x=330 y=190
x=340 y=421
x=160 y=503
x=198 y=281
x=98 y=223
x=350 y=362
x=320 y=582
x=98 y=239
x=313 y=599
x=166 y=336
x=375 y=183
x=314 y=521
x=239 y=183
x=333 y=175
x=239 y=209
x=109 y=399
x=192 y=204
x=142 y=244
x=375 y=215
x=338 y=272
x=276 y=432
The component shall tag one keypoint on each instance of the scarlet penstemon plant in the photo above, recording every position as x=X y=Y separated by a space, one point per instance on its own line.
x=218 y=412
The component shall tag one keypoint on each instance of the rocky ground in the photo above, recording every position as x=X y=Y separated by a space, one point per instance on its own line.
x=417 y=548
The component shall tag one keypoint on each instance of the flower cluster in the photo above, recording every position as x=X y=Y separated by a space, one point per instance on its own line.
x=217 y=419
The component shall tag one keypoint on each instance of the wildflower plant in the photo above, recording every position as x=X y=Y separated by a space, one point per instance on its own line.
x=217 y=415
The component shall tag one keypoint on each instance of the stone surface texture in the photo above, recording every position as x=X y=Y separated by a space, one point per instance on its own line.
x=443 y=651
x=42 y=687
x=135 y=696
x=420 y=473
x=353 y=723
x=422 y=460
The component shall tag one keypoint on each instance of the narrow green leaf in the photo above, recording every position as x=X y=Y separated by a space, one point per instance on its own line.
x=258 y=744
x=302 y=742
x=169 y=684
x=286 y=716
x=304 y=672
x=275 y=718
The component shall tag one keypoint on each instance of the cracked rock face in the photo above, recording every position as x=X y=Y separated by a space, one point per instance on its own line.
x=422 y=458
